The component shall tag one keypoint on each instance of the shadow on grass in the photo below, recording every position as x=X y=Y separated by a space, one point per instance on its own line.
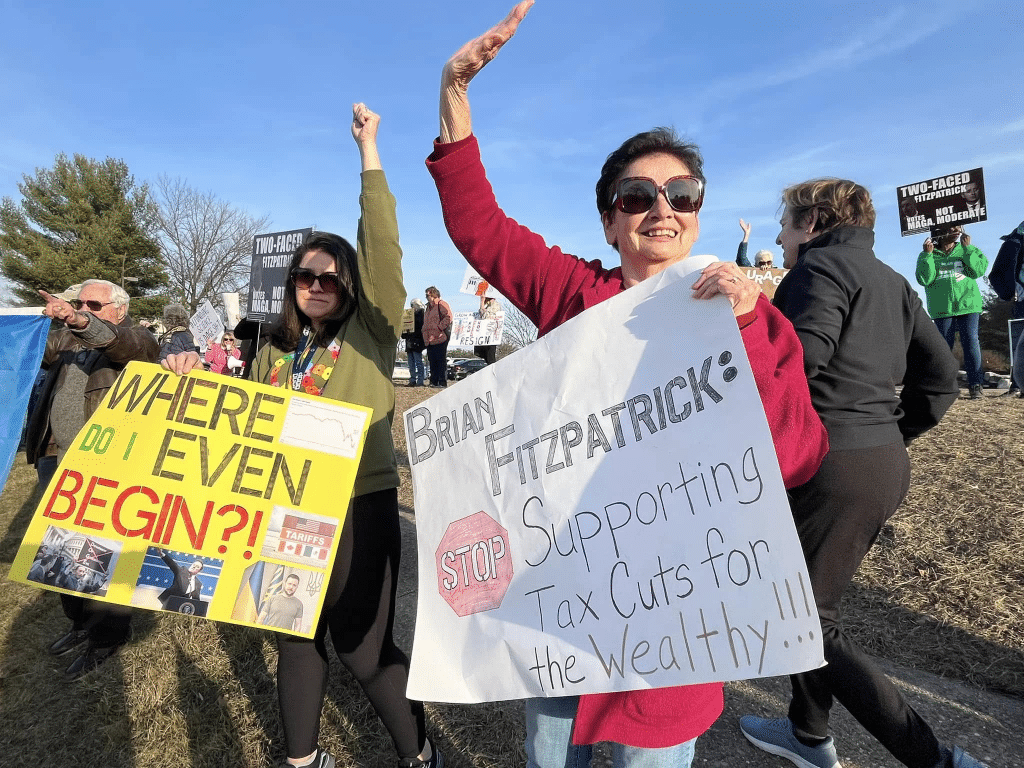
x=886 y=629
x=48 y=719
x=19 y=523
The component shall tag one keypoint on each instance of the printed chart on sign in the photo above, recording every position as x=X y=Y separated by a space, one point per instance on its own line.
x=201 y=495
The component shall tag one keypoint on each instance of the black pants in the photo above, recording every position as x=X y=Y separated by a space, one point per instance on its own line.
x=108 y=624
x=487 y=353
x=359 y=611
x=437 y=355
x=838 y=515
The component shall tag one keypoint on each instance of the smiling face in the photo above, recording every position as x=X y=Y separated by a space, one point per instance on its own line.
x=195 y=568
x=314 y=302
x=652 y=241
x=793 y=235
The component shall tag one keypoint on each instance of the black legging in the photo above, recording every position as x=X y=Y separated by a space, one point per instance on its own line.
x=359 y=610
x=839 y=514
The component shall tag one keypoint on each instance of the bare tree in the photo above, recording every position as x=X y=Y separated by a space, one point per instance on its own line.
x=519 y=331
x=206 y=242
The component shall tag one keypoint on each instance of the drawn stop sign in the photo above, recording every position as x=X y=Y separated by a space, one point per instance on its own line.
x=474 y=565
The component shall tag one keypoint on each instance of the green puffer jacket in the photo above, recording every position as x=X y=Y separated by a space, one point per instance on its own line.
x=950 y=280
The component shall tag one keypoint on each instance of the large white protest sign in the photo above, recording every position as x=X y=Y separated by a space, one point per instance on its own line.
x=603 y=510
x=468 y=330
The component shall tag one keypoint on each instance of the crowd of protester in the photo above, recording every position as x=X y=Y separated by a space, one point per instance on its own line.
x=842 y=328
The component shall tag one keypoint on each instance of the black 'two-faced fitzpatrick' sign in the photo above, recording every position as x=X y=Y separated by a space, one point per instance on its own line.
x=271 y=254
x=945 y=201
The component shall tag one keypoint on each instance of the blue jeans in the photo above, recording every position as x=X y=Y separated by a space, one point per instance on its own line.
x=415 y=368
x=967 y=327
x=549 y=744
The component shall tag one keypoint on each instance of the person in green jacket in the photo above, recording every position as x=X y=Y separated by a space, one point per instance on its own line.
x=949 y=271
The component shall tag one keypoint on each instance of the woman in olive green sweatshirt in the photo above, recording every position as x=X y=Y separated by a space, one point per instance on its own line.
x=336 y=338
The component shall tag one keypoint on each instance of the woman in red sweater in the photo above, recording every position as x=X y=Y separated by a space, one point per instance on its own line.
x=649 y=196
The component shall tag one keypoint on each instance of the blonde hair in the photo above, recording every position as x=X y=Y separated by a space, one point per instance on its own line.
x=837 y=203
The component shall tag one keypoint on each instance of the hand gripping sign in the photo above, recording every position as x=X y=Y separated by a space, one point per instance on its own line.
x=201 y=495
x=604 y=511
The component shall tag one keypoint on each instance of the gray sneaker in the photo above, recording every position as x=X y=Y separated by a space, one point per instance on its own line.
x=776 y=736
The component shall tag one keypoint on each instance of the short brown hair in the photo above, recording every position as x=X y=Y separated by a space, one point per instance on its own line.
x=837 y=202
x=432 y=291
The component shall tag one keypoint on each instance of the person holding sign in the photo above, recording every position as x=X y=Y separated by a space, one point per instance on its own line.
x=489 y=309
x=83 y=358
x=648 y=197
x=337 y=337
x=863 y=331
x=949 y=274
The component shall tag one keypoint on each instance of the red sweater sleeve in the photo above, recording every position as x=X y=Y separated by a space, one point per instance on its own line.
x=544 y=283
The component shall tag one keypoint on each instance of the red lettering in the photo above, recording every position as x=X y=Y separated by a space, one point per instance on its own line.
x=146 y=515
x=91 y=501
x=68 y=494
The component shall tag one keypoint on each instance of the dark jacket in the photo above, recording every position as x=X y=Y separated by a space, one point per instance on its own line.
x=131 y=342
x=179 y=587
x=865 y=332
x=1006 y=271
x=414 y=338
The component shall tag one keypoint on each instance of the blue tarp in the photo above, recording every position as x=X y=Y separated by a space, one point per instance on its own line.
x=22 y=339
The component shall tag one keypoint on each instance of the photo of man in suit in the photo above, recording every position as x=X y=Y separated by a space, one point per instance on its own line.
x=973 y=201
x=186 y=582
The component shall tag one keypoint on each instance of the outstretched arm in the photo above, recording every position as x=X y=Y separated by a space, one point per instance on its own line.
x=456 y=122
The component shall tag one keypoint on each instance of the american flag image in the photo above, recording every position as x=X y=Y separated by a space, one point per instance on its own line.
x=306 y=525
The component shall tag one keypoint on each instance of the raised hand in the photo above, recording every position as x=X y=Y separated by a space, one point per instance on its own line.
x=464 y=65
x=58 y=309
x=364 y=124
x=364 y=130
x=746 y=230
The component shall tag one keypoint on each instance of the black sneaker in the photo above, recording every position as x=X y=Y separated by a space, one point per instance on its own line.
x=72 y=639
x=92 y=658
x=322 y=759
x=976 y=392
x=436 y=759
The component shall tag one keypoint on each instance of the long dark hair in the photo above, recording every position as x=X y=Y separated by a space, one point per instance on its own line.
x=288 y=328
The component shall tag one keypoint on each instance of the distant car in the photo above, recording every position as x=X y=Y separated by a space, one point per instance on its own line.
x=464 y=368
x=401 y=372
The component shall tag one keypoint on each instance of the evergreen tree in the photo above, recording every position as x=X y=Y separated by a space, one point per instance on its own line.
x=82 y=219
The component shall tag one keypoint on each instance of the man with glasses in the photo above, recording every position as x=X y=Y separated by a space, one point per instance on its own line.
x=92 y=341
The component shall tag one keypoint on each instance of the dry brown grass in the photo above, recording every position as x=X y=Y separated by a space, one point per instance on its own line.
x=943 y=590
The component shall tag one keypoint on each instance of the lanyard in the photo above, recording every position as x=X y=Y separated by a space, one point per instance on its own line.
x=303 y=360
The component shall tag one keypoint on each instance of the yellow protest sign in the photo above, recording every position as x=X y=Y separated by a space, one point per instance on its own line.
x=200 y=494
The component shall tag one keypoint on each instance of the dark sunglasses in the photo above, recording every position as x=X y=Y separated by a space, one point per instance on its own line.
x=304 y=279
x=637 y=194
x=94 y=306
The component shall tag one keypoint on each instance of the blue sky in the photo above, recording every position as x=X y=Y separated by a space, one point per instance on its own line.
x=252 y=101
